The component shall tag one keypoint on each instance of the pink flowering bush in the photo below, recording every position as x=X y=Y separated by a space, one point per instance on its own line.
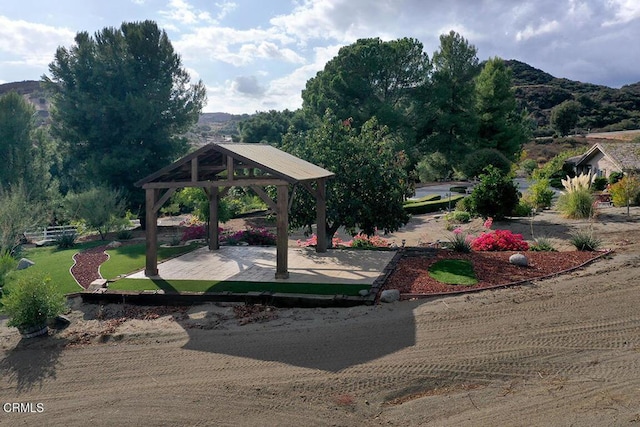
x=499 y=240
x=250 y=236
x=196 y=231
x=360 y=241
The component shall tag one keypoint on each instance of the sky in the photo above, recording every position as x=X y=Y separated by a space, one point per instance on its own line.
x=257 y=55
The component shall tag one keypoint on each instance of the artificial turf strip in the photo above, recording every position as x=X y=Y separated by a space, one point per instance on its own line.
x=453 y=272
x=55 y=263
x=236 y=286
x=130 y=258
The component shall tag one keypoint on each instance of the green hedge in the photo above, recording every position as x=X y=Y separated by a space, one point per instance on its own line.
x=427 y=198
x=432 y=206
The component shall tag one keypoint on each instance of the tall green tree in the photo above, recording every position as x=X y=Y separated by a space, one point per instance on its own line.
x=370 y=181
x=500 y=125
x=16 y=127
x=270 y=126
x=565 y=116
x=371 y=78
x=453 y=126
x=121 y=98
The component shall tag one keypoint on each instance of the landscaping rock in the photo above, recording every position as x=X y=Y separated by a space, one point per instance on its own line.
x=114 y=244
x=390 y=295
x=24 y=263
x=363 y=292
x=519 y=259
x=60 y=322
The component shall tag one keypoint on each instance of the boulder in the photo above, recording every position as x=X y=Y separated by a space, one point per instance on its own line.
x=390 y=295
x=114 y=244
x=519 y=259
x=363 y=292
x=24 y=264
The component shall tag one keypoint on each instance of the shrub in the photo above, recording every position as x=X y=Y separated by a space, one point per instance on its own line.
x=577 y=204
x=499 y=240
x=585 y=240
x=528 y=166
x=522 y=209
x=495 y=196
x=474 y=163
x=599 y=183
x=251 y=236
x=625 y=191
x=32 y=301
x=615 y=177
x=458 y=217
x=542 y=244
x=7 y=264
x=432 y=206
x=124 y=234
x=66 y=240
x=195 y=231
x=100 y=208
x=460 y=241
x=539 y=195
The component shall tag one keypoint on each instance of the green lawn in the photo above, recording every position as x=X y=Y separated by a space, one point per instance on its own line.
x=453 y=272
x=236 y=286
x=130 y=258
x=56 y=263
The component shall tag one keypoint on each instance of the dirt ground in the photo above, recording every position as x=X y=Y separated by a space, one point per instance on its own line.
x=563 y=351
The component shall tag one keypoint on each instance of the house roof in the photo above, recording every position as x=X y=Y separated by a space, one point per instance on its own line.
x=211 y=162
x=625 y=155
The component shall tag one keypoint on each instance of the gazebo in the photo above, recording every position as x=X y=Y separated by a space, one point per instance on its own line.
x=217 y=167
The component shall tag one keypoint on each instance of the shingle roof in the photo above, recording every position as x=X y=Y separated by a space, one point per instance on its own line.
x=625 y=154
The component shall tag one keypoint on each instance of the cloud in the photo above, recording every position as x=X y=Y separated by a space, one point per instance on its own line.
x=248 y=86
x=225 y=8
x=30 y=43
x=236 y=47
x=184 y=13
x=624 y=11
x=531 y=31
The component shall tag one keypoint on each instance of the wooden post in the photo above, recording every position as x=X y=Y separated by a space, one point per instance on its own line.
x=282 y=239
x=213 y=219
x=151 y=268
x=321 y=215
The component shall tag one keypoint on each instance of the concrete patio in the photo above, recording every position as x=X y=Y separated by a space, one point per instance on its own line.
x=258 y=264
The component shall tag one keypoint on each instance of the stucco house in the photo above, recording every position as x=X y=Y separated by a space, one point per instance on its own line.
x=603 y=158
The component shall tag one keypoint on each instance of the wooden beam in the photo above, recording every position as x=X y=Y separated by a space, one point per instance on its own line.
x=265 y=197
x=239 y=182
x=163 y=199
x=213 y=219
x=321 y=215
x=230 y=171
x=194 y=169
x=282 y=238
x=151 y=233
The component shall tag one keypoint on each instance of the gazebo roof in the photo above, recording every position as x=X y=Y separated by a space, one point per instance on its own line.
x=210 y=161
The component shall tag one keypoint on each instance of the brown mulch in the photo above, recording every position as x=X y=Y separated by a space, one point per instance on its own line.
x=87 y=264
x=492 y=269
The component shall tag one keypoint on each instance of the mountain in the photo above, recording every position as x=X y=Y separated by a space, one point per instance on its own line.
x=33 y=93
x=603 y=108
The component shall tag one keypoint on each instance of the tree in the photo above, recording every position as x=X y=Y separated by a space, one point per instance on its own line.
x=270 y=126
x=120 y=101
x=496 y=195
x=453 y=126
x=500 y=126
x=28 y=153
x=370 y=182
x=18 y=213
x=625 y=191
x=100 y=208
x=475 y=162
x=564 y=117
x=372 y=78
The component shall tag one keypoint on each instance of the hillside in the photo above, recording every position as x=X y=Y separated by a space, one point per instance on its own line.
x=604 y=109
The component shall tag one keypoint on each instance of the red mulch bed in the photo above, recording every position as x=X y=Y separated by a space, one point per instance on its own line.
x=492 y=269
x=86 y=268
